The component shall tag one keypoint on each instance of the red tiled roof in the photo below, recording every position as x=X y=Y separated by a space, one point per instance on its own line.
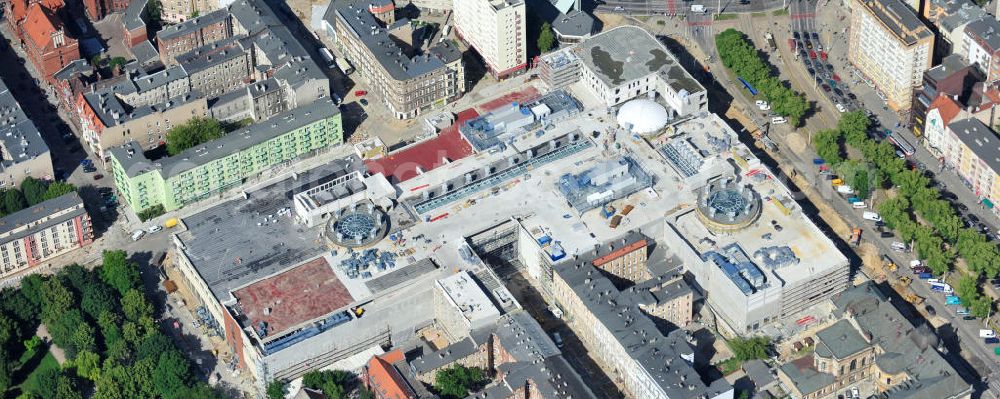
x=39 y=24
x=946 y=106
x=385 y=380
x=620 y=252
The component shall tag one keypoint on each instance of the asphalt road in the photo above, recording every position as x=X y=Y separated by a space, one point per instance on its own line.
x=680 y=7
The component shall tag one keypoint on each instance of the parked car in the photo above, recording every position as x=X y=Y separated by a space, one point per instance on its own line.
x=825 y=88
x=363 y=102
x=137 y=235
x=841 y=108
x=154 y=228
x=778 y=120
x=98 y=177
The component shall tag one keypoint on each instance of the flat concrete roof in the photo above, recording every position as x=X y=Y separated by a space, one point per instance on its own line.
x=240 y=241
x=297 y=295
x=627 y=53
x=464 y=293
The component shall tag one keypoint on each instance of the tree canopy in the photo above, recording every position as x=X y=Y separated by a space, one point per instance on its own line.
x=196 y=131
x=739 y=55
x=745 y=349
x=457 y=381
x=546 y=39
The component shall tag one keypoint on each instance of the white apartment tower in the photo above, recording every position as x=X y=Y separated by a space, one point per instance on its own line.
x=892 y=47
x=496 y=29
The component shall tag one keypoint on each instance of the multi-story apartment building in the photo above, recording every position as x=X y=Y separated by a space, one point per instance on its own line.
x=973 y=149
x=178 y=39
x=461 y=307
x=981 y=104
x=626 y=259
x=981 y=46
x=208 y=169
x=407 y=80
x=41 y=232
x=179 y=11
x=23 y=153
x=950 y=17
x=39 y=28
x=496 y=29
x=953 y=77
x=133 y=23
x=611 y=324
x=891 y=47
x=873 y=345
x=217 y=68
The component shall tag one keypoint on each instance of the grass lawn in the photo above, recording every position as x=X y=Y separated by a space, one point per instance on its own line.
x=725 y=17
x=729 y=366
x=30 y=383
x=778 y=13
x=758 y=14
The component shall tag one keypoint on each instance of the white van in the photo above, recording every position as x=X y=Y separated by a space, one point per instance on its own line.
x=871 y=216
x=778 y=120
x=859 y=205
x=841 y=108
x=987 y=334
x=136 y=235
x=698 y=8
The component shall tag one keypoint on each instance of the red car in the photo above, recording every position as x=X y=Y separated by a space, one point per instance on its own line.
x=812 y=54
x=835 y=77
x=359 y=93
x=822 y=55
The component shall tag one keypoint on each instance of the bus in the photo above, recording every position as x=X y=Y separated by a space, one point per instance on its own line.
x=905 y=147
x=753 y=91
x=327 y=56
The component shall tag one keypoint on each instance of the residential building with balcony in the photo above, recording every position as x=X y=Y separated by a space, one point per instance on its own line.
x=496 y=29
x=953 y=77
x=211 y=168
x=23 y=152
x=34 y=235
x=892 y=47
x=981 y=46
x=950 y=17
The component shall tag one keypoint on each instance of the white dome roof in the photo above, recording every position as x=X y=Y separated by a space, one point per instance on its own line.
x=644 y=115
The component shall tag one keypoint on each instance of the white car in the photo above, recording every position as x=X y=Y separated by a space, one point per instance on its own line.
x=763 y=105
x=871 y=216
x=841 y=108
x=136 y=235
x=855 y=393
x=154 y=228
x=778 y=120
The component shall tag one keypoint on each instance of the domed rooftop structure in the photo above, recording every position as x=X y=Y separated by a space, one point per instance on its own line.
x=643 y=116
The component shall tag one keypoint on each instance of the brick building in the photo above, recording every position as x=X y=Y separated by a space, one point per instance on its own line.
x=34 y=235
x=178 y=39
x=40 y=30
x=98 y=9
x=384 y=380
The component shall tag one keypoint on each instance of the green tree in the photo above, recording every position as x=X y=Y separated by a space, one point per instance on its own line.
x=14 y=303
x=151 y=212
x=745 y=349
x=31 y=287
x=110 y=325
x=457 y=381
x=118 y=272
x=333 y=383
x=196 y=131
x=276 y=390
x=66 y=388
x=58 y=189
x=172 y=373
x=84 y=338
x=135 y=305
x=546 y=39
x=98 y=298
x=33 y=190
x=827 y=144
x=6 y=372
x=9 y=331
x=88 y=365
x=153 y=345
x=46 y=383
x=56 y=300
x=854 y=126
x=13 y=201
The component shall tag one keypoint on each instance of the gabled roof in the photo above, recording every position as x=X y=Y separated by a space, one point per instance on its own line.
x=39 y=24
x=946 y=106
x=385 y=379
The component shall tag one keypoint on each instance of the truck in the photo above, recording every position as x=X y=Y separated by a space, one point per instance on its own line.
x=327 y=56
x=942 y=287
x=698 y=8
x=770 y=41
x=344 y=66
x=791 y=44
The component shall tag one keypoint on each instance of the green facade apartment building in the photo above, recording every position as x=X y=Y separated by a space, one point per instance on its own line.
x=213 y=167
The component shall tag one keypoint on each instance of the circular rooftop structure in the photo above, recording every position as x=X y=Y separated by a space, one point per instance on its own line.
x=358 y=225
x=643 y=116
x=725 y=205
